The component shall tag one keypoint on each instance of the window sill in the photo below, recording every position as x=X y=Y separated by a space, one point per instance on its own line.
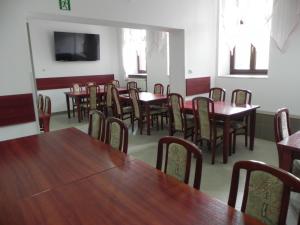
x=263 y=76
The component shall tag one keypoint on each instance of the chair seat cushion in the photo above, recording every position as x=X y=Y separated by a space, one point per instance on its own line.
x=238 y=125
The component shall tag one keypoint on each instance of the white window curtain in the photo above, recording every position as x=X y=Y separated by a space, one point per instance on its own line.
x=256 y=18
x=286 y=16
x=133 y=44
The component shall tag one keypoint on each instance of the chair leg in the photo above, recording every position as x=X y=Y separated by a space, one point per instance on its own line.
x=234 y=142
x=162 y=121
x=246 y=136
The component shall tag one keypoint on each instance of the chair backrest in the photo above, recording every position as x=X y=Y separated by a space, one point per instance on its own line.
x=175 y=102
x=76 y=88
x=96 y=125
x=282 y=124
x=116 y=83
x=203 y=109
x=40 y=102
x=116 y=134
x=92 y=99
x=241 y=97
x=108 y=94
x=168 y=89
x=90 y=83
x=158 y=89
x=117 y=109
x=47 y=105
x=267 y=191
x=135 y=100
x=217 y=94
x=131 y=84
x=178 y=157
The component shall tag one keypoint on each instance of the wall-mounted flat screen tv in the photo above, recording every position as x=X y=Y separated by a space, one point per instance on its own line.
x=76 y=46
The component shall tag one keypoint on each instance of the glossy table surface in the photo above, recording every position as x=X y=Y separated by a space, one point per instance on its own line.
x=226 y=108
x=148 y=97
x=65 y=177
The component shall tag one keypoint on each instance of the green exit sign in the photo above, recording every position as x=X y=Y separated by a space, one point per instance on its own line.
x=65 y=5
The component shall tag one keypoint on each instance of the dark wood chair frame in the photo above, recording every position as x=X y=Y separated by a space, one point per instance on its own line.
x=142 y=111
x=291 y=183
x=246 y=127
x=222 y=90
x=129 y=84
x=74 y=103
x=102 y=121
x=183 y=118
x=213 y=124
x=277 y=123
x=116 y=83
x=191 y=148
x=47 y=102
x=161 y=86
x=122 y=116
x=123 y=147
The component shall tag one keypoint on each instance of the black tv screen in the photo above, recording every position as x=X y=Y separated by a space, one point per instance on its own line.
x=76 y=46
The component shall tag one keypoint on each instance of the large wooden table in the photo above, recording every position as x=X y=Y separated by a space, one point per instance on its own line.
x=147 y=99
x=67 y=178
x=228 y=112
x=288 y=150
x=83 y=94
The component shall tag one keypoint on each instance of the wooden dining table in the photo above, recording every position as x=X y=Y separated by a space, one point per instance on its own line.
x=83 y=94
x=228 y=112
x=147 y=99
x=288 y=150
x=66 y=177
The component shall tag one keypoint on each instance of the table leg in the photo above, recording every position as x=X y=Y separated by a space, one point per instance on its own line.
x=68 y=105
x=252 y=128
x=148 y=117
x=226 y=140
x=78 y=108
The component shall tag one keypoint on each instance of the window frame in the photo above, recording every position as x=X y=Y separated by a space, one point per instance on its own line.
x=252 y=62
x=139 y=66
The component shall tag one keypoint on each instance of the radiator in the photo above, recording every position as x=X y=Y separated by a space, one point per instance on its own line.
x=141 y=81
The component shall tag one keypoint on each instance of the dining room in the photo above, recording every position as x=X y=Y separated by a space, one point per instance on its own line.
x=153 y=120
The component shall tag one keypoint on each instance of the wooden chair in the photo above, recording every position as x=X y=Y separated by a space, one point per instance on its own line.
x=206 y=126
x=132 y=84
x=119 y=111
x=282 y=130
x=267 y=191
x=108 y=98
x=76 y=88
x=240 y=97
x=158 y=89
x=116 y=83
x=47 y=110
x=40 y=102
x=92 y=100
x=217 y=94
x=168 y=89
x=116 y=134
x=139 y=113
x=90 y=83
x=97 y=125
x=179 y=121
x=178 y=156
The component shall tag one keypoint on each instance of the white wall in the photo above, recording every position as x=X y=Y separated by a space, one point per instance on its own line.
x=281 y=87
x=196 y=17
x=156 y=61
x=42 y=42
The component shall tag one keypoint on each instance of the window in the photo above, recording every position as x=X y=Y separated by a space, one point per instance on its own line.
x=245 y=29
x=134 y=50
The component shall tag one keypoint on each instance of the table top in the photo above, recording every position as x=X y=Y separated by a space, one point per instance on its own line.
x=100 y=91
x=65 y=177
x=148 y=97
x=226 y=108
x=292 y=142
